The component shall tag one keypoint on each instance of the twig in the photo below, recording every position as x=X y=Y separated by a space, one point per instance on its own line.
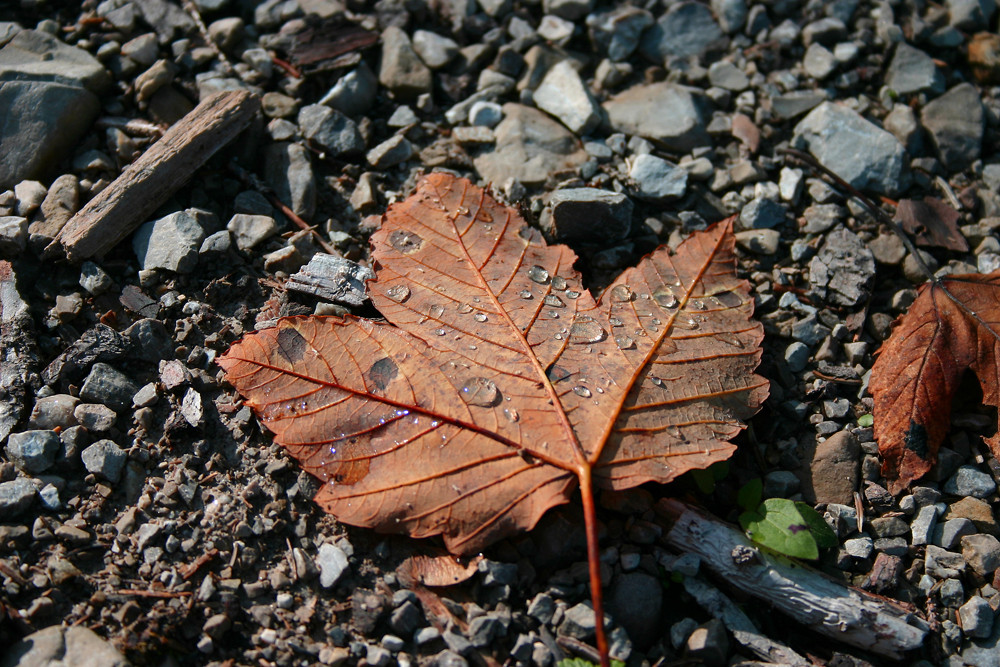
x=132 y=126
x=193 y=12
x=159 y=172
x=825 y=605
x=578 y=647
x=160 y=595
x=189 y=571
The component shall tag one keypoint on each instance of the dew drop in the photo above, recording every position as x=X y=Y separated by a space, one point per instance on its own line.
x=480 y=317
x=461 y=210
x=554 y=301
x=655 y=380
x=614 y=321
x=559 y=283
x=624 y=342
x=484 y=217
x=667 y=346
x=538 y=274
x=582 y=391
x=558 y=336
x=464 y=308
x=572 y=294
x=730 y=338
x=440 y=332
x=673 y=431
x=525 y=294
x=655 y=322
x=398 y=293
x=685 y=323
x=586 y=330
x=480 y=392
x=511 y=414
x=436 y=311
x=405 y=242
x=554 y=314
x=697 y=304
x=665 y=297
x=621 y=293
x=729 y=299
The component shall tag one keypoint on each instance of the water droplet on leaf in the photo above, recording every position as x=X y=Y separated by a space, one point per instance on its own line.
x=554 y=301
x=436 y=311
x=614 y=321
x=586 y=330
x=480 y=317
x=538 y=274
x=665 y=297
x=480 y=392
x=526 y=294
x=730 y=338
x=398 y=293
x=621 y=293
x=572 y=294
x=464 y=308
x=581 y=391
x=624 y=342
x=511 y=414
x=405 y=242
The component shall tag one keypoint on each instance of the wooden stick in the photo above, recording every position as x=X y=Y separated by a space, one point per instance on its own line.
x=846 y=614
x=159 y=172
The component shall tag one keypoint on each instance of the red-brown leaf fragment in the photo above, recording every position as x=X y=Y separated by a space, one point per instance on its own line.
x=920 y=367
x=932 y=222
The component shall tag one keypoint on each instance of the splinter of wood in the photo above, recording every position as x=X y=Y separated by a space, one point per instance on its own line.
x=145 y=184
x=849 y=615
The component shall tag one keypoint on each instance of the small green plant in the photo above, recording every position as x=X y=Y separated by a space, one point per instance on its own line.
x=580 y=662
x=788 y=527
x=864 y=421
x=706 y=478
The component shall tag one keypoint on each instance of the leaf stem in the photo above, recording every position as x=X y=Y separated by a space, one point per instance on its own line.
x=593 y=559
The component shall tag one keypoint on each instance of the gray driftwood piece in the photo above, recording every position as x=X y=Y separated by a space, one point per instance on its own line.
x=332 y=278
x=18 y=352
x=159 y=172
x=849 y=615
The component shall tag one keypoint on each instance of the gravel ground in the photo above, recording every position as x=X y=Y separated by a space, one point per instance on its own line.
x=145 y=516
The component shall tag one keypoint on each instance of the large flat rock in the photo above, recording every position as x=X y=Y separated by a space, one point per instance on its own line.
x=670 y=115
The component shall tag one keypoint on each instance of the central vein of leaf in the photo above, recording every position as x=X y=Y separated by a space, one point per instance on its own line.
x=581 y=466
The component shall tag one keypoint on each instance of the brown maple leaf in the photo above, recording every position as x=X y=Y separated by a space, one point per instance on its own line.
x=950 y=328
x=499 y=383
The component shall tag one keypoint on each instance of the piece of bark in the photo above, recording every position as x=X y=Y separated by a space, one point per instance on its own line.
x=857 y=618
x=744 y=631
x=332 y=278
x=18 y=351
x=159 y=172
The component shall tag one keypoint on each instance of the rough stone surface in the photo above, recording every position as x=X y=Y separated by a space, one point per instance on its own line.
x=865 y=156
x=288 y=170
x=106 y=384
x=330 y=129
x=912 y=71
x=402 y=71
x=844 y=269
x=170 y=243
x=61 y=645
x=665 y=113
x=33 y=451
x=250 y=230
x=591 y=215
x=563 y=95
x=954 y=122
x=657 y=179
x=530 y=146
x=834 y=472
x=685 y=29
x=332 y=562
x=104 y=458
x=16 y=496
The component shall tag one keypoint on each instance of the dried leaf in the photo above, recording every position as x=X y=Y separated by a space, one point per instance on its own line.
x=437 y=570
x=921 y=365
x=499 y=381
x=932 y=222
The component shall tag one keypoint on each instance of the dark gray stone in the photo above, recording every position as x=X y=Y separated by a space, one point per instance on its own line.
x=913 y=71
x=977 y=617
x=762 y=213
x=104 y=458
x=656 y=179
x=530 y=146
x=862 y=154
x=288 y=170
x=406 y=619
x=149 y=340
x=484 y=629
x=62 y=645
x=106 y=384
x=670 y=115
x=354 y=93
x=33 y=451
x=616 y=32
x=590 y=215
x=969 y=481
x=579 y=622
x=170 y=243
x=635 y=602
x=955 y=123
x=330 y=129
x=686 y=29
x=843 y=270
x=16 y=496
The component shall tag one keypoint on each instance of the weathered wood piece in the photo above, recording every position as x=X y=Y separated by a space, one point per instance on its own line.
x=18 y=352
x=159 y=172
x=849 y=615
x=716 y=603
x=332 y=278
